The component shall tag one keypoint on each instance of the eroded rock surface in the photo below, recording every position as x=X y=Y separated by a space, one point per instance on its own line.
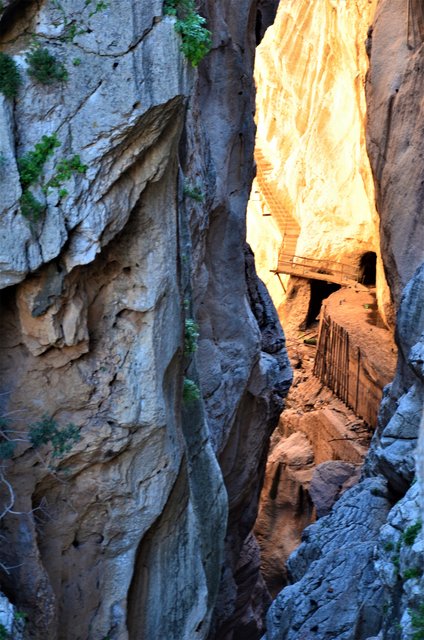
x=394 y=140
x=310 y=70
x=385 y=600
x=391 y=575
x=335 y=593
x=127 y=537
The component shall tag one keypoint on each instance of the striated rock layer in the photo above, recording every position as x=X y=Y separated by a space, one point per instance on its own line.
x=126 y=535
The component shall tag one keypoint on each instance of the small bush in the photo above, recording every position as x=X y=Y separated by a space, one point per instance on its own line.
x=7 y=449
x=193 y=192
x=411 y=533
x=191 y=337
x=31 y=164
x=99 y=6
x=414 y=572
x=196 y=39
x=10 y=77
x=65 y=168
x=417 y=621
x=191 y=391
x=47 y=431
x=31 y=208
x=44 y=67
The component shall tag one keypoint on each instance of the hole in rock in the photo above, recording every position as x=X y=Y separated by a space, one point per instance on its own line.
x=319 y=291
x=258 y=27
x=368 y=268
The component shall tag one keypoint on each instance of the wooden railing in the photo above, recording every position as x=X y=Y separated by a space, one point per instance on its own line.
x=311 y=267
x=343 y=368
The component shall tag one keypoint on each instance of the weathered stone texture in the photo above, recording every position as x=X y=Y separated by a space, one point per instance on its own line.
x=127 y=539
x=327 y=598
x=357 y=610
x=394 y=136
x=335 y=593
x=310 y=72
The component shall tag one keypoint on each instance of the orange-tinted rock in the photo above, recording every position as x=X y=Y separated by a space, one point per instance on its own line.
x=310 y=74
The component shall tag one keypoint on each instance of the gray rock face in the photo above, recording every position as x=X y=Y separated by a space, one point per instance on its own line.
x=400 y=565
x=329 y=481
x=394 y=140
x=127 y=536
x=395 y=441
x=328 y=598
x=336 y=593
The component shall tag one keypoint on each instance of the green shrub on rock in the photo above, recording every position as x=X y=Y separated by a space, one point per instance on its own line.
x=417 y=621
x=411 y=533
x=191 y=392
x=191 y=336
x=31 y=208
x=32 y=163
x=31 y=167
x=10 y=77
x=44 y=67
x=196 y=39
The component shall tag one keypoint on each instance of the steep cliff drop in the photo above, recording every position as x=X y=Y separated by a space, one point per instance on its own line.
x=142 y=366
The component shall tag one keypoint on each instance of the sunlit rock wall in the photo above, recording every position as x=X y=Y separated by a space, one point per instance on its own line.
x=126 y=536
x=310 y=72
x=395 y=142
x=385 y=599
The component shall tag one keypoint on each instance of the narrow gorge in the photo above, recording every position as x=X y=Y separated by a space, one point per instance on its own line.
x=212 y=320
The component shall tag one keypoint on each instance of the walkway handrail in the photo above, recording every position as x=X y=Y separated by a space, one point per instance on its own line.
x=322 y=267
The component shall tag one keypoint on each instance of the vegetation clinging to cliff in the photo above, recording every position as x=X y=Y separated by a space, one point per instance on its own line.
x=196 y=39
x=10 y=77
x=31 y=166
x=44 y=67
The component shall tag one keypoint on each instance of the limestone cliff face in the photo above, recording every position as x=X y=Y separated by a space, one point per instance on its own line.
x=395 y=143
x=310 y=70
x=125 y=536
x=381 y=601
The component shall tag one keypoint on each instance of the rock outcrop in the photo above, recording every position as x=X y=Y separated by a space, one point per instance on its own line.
x=125 y=535
x=335 y=593
x=395 y=144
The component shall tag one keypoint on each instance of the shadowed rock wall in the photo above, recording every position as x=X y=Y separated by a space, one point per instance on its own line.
x=126 y=536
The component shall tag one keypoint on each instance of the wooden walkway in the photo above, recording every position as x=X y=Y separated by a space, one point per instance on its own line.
x=314 y=269
x=288 y=262
x=286 y=223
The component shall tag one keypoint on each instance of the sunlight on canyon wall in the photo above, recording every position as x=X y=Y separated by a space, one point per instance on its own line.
x=310 y=75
